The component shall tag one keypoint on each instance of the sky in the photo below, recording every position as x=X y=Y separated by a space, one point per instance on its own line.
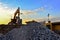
x=31 y=9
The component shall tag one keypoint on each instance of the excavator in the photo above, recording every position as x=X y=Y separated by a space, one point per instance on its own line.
x=16 y=19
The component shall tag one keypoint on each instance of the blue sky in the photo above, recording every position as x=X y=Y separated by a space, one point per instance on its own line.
x=49 y=6
x=32 y=4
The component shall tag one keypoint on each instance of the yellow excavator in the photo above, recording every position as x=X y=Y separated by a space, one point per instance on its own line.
x=16 y=19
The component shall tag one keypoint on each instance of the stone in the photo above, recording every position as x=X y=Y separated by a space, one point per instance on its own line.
x=37 y=32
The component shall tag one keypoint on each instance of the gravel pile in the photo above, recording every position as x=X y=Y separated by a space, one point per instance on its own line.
x=37 y=32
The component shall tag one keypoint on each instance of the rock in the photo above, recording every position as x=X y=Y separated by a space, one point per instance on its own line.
x=38 y=32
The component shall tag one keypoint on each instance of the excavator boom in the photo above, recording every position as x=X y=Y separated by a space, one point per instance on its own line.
x=17 y=12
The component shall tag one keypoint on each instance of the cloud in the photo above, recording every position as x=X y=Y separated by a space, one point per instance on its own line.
x=33 y=11
x=5 y=10
x=27 y=11
x=52 y=19
x=5 y=13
